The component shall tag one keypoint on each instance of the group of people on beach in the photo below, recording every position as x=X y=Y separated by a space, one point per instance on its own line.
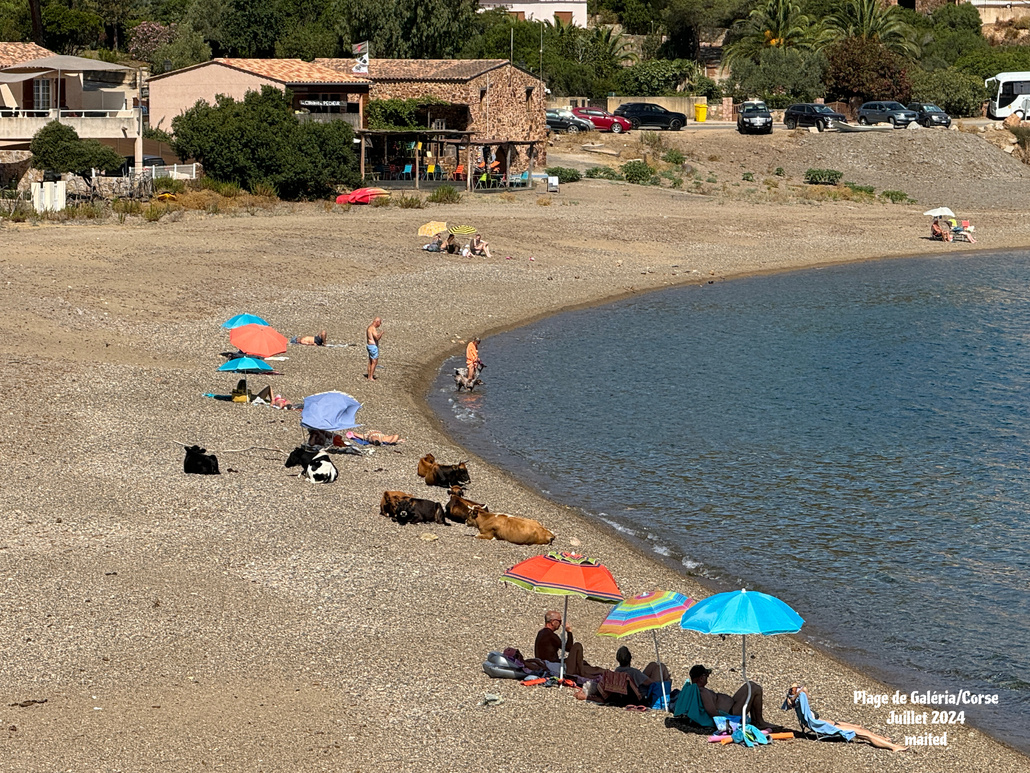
x=477 y=245
x=548 y=648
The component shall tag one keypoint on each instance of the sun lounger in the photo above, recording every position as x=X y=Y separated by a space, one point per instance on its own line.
x=810 y=723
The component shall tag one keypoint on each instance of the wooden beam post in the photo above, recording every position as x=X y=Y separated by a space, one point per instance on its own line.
x=362 y=161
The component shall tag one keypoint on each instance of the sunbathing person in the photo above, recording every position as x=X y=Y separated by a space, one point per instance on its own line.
x=479 y=246
x=316 y=340
x=548 y=649
x=451 y=245
x=828 y=727
x=376 y=438
x=721 y=704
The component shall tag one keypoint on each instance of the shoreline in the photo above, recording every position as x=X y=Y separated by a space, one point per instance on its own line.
x=255 y=621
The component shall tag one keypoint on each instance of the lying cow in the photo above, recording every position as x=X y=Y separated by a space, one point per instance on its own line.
x=199 y=462
x=404 y=508
x=462 y=379
x=460 y=509
x=316 y=466
x=443 y=475
x=518 y=531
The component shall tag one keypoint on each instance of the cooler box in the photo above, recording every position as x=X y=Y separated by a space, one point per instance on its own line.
x=700 y=113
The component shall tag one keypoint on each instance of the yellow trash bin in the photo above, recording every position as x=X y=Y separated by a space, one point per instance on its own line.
x=700 y=113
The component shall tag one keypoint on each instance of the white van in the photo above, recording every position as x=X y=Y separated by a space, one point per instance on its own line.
x=1010 y=95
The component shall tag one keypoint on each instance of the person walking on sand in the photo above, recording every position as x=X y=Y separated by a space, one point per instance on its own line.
x=473 y=365
x=372 y=336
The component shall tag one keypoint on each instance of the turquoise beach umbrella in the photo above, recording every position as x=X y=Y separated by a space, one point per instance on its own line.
x=742 y=612
x=244 y=319
x=242 y=364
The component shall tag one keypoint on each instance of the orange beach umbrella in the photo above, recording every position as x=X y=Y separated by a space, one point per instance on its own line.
x=258 y=340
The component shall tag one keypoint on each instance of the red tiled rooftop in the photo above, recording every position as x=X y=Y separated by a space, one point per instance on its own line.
x=420 y=69
x=292 y=70
x=16 y=53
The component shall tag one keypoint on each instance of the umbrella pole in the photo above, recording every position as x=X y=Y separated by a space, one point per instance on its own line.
x=743 y=669
x=661 y=673
x=564 y=619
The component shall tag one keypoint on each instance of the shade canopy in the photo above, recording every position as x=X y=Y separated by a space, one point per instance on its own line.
x=565 y=574
x=645 y=612
x=258 y=340
x=243 y=319
x=329 y=411
x=243 y=364
x=465 y=230
x=939 y=212
x=67 y=63
x=432 y=228
x=741 y=612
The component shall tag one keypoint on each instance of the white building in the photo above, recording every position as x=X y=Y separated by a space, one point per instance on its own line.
x=565 y=11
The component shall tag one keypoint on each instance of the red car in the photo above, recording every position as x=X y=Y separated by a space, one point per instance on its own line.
x=602 y=120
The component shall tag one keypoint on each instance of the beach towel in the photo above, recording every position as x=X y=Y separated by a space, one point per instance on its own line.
x=688 y=704
x=749 y=735
x=820 y=727
x=654 y=697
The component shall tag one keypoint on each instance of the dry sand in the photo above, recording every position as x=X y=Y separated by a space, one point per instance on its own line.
x=252 y=621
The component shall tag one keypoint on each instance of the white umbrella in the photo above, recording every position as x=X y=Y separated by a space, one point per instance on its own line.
x=940 y=212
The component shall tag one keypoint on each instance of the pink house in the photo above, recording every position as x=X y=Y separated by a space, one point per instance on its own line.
x=319 y=93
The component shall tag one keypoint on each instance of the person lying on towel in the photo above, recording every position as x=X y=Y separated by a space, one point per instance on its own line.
x=316 y=340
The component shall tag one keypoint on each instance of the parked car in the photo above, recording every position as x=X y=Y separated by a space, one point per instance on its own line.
x=130 y=163
x=754 y=117
x=894 y=113
x=602 y=120
x=811 y=114
x=647 y=114
x=565 y=121
x=929 y=115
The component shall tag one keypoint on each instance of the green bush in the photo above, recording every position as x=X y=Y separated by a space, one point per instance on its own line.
x=896 y=197
x=264 y=189
x=380 y=201
x=677 y=182
x=955 y=92
x=169 y=185
x=637 y=172
x=779 y=172
x=153 y=213
x=603 y=173
x=654 y=141
x=445 y=194
x=856 y=188
x=57 y=147
x=748 y=177
x=823 y=176
x=564 y=174
x=674 y=156
x=229 y=190
x=409 y=202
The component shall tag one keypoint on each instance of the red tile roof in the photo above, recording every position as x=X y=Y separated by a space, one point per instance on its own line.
x=420 y=69
x=284 y=71
x=16 y=53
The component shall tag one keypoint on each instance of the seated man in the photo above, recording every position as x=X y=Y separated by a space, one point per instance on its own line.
x=316 y=340
x=479 y=246
x=720 y=704
x=548 y=649
x=651 y=674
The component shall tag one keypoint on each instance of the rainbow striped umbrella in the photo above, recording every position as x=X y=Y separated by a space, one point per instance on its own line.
x=646 y=612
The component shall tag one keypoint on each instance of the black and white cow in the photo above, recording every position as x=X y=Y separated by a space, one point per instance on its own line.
x=317 y=466
x=199 y=462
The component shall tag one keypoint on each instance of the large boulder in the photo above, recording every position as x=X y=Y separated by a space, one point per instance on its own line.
x=1012 y=121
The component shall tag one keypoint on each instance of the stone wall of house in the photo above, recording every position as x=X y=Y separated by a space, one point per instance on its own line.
x=504 y=104
x=16 y=169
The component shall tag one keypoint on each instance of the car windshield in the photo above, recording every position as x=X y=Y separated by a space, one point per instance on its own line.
x=932 y=109
x=749 y=106
x=822 y=109
x=893 y=106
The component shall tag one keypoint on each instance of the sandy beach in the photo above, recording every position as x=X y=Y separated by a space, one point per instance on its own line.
x=252 y=621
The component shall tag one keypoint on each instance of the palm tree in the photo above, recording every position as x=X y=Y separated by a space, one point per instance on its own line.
x=778 y=23
x=609 y=46
x=873 y=20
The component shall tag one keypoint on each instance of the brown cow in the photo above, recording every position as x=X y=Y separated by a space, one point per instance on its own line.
x=518 y=531
x=443 y=475
x=460 y=509
x=404 y=508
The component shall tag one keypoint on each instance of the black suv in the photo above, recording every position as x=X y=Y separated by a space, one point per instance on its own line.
x=929 y=115
x=811 y=114
x=565 y=121
x=648 y=114
x=754 y=117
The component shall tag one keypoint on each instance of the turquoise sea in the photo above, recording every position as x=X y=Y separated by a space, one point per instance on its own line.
x=854 y=440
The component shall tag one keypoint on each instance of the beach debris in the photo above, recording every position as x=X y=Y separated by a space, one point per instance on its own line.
x=575 y=542
x=30 y=702
x=492 y=699
x=428 y=537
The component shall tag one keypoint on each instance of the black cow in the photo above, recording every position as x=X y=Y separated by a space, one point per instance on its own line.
x=199 y=462
x=445 y=475
x=317 y=466
x=404 y=508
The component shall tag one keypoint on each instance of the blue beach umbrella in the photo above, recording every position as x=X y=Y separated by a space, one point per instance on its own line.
x=244 y=319
x=742 y=612
x=244 y=364
x=329 y=411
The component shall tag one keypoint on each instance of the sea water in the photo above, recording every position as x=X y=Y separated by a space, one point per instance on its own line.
x=854 y=440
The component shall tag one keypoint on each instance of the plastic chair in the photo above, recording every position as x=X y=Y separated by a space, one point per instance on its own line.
x=483 y=181
x=459 y=172
x=407 y=173
x=430 y=172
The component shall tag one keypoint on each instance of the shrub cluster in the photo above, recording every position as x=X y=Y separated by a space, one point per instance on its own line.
x=445 y=194
x=823 y=176
x=896 y=197
x=564 y=174
x=674 y=156
x=603 y=173
x=637 y=172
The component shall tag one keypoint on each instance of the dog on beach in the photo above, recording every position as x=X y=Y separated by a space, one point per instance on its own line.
x=404 y=508
x=510 y=528
x=443 y=475
x=316 y=466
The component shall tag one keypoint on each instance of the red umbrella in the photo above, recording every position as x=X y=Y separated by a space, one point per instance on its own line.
x=565 y=574
x=258 y=340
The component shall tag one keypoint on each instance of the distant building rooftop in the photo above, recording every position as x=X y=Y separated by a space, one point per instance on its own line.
x=16 y=53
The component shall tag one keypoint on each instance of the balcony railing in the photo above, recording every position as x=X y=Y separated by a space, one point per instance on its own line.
x=20 y=124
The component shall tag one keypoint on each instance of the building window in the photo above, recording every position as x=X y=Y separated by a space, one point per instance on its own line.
x=41 y=99
x=517 y=15
x=565 y=17
x=529 y=93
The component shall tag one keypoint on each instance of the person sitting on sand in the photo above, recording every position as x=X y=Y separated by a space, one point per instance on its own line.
x=436 y=245
x=479 y=246
x=651 y=674
x=940 y=231
x=720 y=704
x=451 y=245
x=376 y=438
x=316 y=340
x=548 y=649
x=879 y=741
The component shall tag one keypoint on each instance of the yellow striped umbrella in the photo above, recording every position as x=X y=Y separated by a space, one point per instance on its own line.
x=463 y=230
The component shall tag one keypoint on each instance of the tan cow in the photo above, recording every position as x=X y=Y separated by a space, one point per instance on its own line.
x=458 y=508
x=518 y=531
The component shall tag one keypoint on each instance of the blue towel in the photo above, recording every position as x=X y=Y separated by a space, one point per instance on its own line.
x=654 y=696
x=820 y=727
x=688 y=704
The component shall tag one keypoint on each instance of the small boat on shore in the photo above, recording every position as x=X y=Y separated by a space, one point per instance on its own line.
x=361 y=196
x=847 y=127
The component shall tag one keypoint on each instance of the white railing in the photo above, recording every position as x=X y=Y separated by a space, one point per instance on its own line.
x=176 y=171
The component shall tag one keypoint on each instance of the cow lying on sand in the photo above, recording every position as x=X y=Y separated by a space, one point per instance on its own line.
x=460 y=509
x=404 y=508
x=316 y=466
x=199 y=462
x=444 y=475
x=518 y=531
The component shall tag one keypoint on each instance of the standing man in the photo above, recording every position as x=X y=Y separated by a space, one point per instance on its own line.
x=372 y=336
x=472 y=362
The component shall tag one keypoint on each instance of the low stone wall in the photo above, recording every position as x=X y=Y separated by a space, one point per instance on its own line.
x=15 y=165
x=683 y=104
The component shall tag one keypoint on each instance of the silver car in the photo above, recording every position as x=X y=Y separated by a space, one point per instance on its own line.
x=894 y=113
